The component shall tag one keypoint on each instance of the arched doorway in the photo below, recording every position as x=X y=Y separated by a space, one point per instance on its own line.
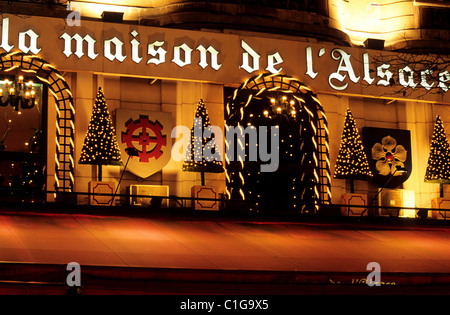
x=46 y=73
x=302 y=179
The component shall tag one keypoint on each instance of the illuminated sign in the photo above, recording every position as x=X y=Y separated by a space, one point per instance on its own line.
x=213 y=57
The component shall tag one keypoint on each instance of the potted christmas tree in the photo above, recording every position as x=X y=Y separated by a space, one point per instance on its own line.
x=203 y=156
x=438 y=167
x=352 y=164
x=100 y=148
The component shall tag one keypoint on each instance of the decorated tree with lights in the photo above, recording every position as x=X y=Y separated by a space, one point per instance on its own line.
x=100 y=144
x=351 y=162
x=438 y=167
x=202 y=154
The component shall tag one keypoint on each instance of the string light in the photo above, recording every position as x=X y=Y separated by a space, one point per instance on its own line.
x=195 y=160
x=100 y=144
x=301 y=126
x=351 y=162
x=438 y=167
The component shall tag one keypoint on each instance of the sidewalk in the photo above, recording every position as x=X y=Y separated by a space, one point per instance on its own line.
x=222 y=253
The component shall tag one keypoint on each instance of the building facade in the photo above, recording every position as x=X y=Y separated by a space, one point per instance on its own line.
x=276 y=78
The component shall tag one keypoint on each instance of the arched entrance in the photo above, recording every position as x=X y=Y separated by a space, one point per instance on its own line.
x=302 y=180
x=65 y=111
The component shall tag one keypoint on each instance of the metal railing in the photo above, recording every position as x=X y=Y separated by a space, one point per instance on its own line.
x=70 y=201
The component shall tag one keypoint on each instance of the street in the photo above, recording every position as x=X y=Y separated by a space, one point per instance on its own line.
x=210 y=255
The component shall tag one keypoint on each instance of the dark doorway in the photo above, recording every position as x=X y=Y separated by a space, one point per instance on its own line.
x=298 y=182
x=23 y=139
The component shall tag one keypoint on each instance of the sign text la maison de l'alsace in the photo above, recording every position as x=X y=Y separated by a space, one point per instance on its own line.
x=214 y=57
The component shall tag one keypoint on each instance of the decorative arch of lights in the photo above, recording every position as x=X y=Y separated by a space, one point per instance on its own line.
x=65 y=111
x=268 y=82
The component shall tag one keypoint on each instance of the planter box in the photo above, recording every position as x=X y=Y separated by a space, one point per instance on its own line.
x=96 y=187
x=440 y=203
x=396 y=198
x=355 y=200
x=205 y=192
x=139 y=193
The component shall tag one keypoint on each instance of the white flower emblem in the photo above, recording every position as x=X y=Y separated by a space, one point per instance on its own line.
x=389 y=156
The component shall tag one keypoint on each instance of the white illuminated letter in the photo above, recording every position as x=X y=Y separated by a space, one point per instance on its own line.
x=344 y=65
x=366 y=62
x=160 y=52
x=5 y=36
x=79 y=45
x=180 y=146
x=74 y=277
x=33 y=42
x=118 y=54
x=407 y=80
x=74 y=18
x=135 y=48
x=273 y=157
x=213 y=144
x=373 y=278
x=198 y=139
x=177 y=55
x=214 y=53
x=272 y=61
x=245 y=58
x=423 y=78
x=383 y=72
x=444 y=77
x=309 y=63
x=240 y=134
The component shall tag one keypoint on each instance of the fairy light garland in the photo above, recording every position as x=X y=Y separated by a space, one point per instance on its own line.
x=282 y=102
x=100 y=144
x=195 y=160
x=438 y=166
x=65 y=111
x=351 y=162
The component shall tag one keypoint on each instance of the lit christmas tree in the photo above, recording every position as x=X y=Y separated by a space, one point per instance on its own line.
x=438 y=167
x=351 y=162
x=100 y=144
x=202 y=154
